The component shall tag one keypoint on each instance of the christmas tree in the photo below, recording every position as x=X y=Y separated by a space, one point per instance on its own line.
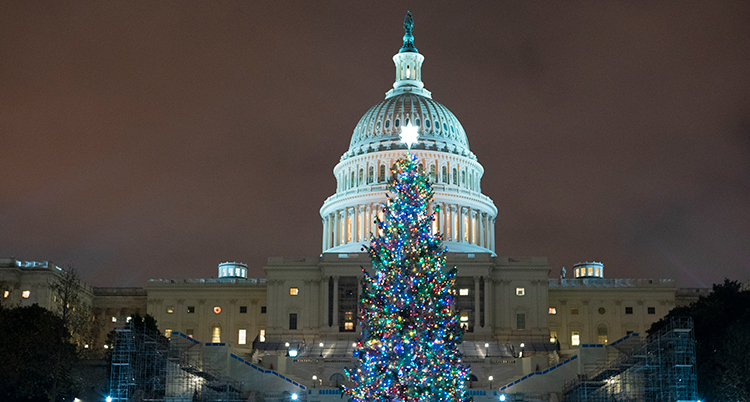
x=408 y=350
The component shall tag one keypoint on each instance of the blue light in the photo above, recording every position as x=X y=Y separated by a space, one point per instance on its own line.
x=502 y=397
x=295 y=396
x=109 y=399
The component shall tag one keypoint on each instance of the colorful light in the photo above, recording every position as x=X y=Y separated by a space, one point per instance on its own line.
x=408 y=350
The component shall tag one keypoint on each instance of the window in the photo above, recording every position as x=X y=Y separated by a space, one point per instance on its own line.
x=387 y=123
x=294 y=291
x=370 y=175
x=114 y=319
x=652 y=310
x=463 y=292
x=216 y=333
x=242 y=337
x=217 y=309
x=427 y=123
x=349 y=321
x=6 y=294
x=575 y=338
x=262 y=336
x=444 y=175
x=464 y=320
x=128 y=319
x=191 y=309
x=170 y=309
x=520 y=291
x=397 y=123
x=552 y=311
x=167 y=332
x=293 y=321
x=262 y=309
x=602 y=334
x=602 y=310
x=520 y=321
x=243 y=309
x=628 y=310
x=381 y=175
x=26 y=294
x=574 y=311
x=552 y=336
x=189 y=332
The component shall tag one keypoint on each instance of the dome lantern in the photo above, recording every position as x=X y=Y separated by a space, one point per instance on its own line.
x=408 y=65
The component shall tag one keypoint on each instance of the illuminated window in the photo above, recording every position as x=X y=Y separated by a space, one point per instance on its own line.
x=168 y=332
x=520 y=291
x=591 y=271
x=128 y=319
x=170 y=309
x=191 y=309
x=216 y=334
x=262 y=336
x=293 y=321
x=114 y=319
x=552 y=311
x=463 y=292
x=574 y=311
x=26 y=294
x=217 y=309
x=6 y=294
x=628 y=310
x=349 y=321
x=602 y=334
x=575 y=338
x=242 y=337
x=243 y=309
x=294 y=291
x=520 y=321
x=552 y=336
x=464 y=320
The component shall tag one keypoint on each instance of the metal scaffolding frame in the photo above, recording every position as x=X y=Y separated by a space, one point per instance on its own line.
x=659 y=369
x=149 y=367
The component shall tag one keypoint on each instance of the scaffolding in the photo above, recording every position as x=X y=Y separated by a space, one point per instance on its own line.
x=660 y=368
x=149 y=367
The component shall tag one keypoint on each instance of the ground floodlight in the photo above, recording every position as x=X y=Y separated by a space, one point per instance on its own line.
x=502 y=397
x=293 y=352
x=295 y=396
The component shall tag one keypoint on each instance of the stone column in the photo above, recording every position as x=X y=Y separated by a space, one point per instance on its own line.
x=336 y=302
x=492 y=234
x=337 y=228
x=355 y=224
x=473 y=226
x=324 y=301
x=477 y=303
x=460 y=228
x=488 y=285
x=325 y=233
x=362 y=231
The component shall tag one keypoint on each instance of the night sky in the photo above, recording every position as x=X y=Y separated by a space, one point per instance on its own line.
x=156 y=139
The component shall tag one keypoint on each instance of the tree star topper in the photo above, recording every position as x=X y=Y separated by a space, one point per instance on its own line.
x=409 y=135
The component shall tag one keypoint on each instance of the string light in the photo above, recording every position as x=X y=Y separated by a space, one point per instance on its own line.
x=408 y=349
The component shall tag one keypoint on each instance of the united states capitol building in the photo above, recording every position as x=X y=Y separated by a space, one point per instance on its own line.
x=301 y=320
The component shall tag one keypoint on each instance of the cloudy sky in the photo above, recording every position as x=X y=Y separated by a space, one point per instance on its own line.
x=144 y=139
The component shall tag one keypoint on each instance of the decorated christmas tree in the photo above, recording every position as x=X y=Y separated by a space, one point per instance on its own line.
x=408 y=350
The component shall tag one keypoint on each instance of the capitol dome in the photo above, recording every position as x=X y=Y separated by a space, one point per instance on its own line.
x=380 y=126
x=463 y=215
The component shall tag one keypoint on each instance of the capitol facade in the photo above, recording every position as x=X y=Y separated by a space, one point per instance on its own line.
x=516 y=318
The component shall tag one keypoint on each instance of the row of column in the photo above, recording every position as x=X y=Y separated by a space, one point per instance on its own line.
x=488 y=287
x=457 y=223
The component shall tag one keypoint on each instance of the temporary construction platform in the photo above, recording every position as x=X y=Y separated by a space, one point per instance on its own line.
x=147 y=366
x=659 y=369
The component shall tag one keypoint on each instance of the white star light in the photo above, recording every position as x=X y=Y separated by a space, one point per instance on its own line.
x=409 y=135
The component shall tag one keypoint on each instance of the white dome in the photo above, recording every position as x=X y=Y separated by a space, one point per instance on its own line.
x=380 y=127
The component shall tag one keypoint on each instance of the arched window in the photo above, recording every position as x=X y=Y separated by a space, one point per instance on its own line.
x=351 y=181
x=445 y=127
x=602 y=334
x=463 y=178
x=408 y=75
x=433 y=173
x=371 y=175
x=420 y=167
x=387 y=123
x=417 y=122
x=361 y=177
x=216 y=333
x=445 y=174
x=381 y=176
x=455 y=176
x=397 y=123
x=427 y=123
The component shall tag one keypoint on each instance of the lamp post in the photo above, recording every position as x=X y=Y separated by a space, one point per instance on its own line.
x=321 y=348
x=486 y=349
x=490 y=378
x=315 y=380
